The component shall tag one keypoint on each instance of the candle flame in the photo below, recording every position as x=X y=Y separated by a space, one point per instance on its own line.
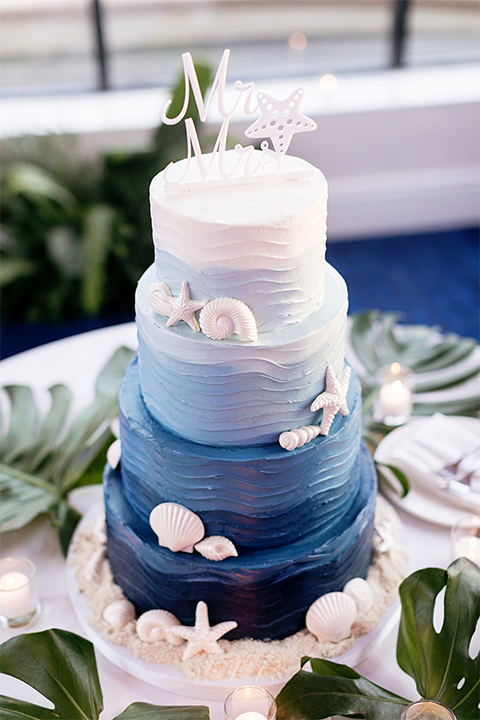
x=395 y=368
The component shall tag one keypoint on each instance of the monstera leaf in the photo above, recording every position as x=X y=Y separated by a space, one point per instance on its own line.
x=40 y=462
x=440 y=362
x=440 y=663
x=453 y=677
x=333 y=689
x=61 y=666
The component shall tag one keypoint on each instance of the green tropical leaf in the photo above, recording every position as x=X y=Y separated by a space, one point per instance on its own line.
x=41 y=466
x=97 y=242
x=23 y=422
x=403 y=485
x=110 y=376
x=144 y=711
x=52 y=428
x=333 y=689
x=14 y=269
x=440 y=662
x=12 y=709
x=65 y=250
x=37 y=184
x=60 y=666
x=22 y=498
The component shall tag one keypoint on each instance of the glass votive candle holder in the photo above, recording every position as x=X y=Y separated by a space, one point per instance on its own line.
x=250 y=703
x=394 y=403
x=466 y=538
x=427 y=710
x=18 y=592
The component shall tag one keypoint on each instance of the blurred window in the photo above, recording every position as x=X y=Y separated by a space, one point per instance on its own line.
x=53 y=45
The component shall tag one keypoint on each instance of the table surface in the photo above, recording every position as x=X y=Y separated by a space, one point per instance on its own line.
x=76 y=362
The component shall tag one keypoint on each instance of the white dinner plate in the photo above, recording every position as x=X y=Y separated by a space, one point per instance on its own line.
x=417 y=502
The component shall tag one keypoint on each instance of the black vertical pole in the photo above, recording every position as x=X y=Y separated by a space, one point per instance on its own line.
x=399 y=35
x=100 y=51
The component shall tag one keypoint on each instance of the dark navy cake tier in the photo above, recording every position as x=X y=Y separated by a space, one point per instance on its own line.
x=266 y=591
x=259 y=497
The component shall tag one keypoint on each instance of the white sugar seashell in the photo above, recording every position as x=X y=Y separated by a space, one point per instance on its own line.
x=224 y=316
x=298 y=437
x=331 y=617
x=113 y=454
x=119 y=613
x=159 y=297
x=177 y=527
x=93 y=569
x=361 y=592
x=152 y=626
x=216 y=548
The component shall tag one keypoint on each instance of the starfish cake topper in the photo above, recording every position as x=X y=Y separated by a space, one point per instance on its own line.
x=202 y=637
x=333 y=399
x=280 y=120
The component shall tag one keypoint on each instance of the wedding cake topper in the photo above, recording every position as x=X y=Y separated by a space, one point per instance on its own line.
x=279 y=121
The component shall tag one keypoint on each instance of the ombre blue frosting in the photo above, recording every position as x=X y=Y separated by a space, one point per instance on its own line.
x=231 y=393
x=302 y=521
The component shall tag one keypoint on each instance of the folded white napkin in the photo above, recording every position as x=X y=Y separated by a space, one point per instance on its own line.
x=437 y=442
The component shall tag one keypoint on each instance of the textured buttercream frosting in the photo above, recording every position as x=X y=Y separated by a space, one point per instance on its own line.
x=263 y=244
x=232 y=392
x=302 y=522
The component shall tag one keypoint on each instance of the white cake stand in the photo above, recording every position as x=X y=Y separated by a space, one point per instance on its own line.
x=172 y=679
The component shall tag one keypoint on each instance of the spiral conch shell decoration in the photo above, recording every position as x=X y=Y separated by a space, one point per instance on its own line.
x=225 y=316
x=300 y=436
x=177 y=527
x=216 y=548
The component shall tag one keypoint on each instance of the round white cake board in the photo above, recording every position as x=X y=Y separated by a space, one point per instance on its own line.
x=172 y=679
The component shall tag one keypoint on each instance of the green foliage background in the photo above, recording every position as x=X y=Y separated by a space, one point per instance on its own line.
x=76 y=233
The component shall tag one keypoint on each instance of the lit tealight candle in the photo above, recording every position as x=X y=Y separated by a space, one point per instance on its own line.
x=395 y=396
x=18 y=593
x=427 y=710
x=250 y=703
x=466 y=539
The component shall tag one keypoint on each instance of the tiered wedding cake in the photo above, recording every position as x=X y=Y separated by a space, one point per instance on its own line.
x=226 y=492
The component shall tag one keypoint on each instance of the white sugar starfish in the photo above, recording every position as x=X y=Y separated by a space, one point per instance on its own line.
x=333 y=400
x=202 y=637
x=280 y=120
x=183 y=308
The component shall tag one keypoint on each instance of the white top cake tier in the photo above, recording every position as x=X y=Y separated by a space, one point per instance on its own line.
x=262 y=242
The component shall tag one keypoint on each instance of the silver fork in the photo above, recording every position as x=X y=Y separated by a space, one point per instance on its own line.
x=452 y=480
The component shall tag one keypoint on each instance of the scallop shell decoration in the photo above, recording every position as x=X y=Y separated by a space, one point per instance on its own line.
x=119 y=613
x=225 y=316
x=216 y=548
x=152 y=626
x=159 y=297
x=113 y=454
x=361 y=592
x=177 y=527
x=331 y=617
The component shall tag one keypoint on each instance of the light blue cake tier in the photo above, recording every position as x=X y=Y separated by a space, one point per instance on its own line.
x=266 y=591
x=259 y=497
x=235 y=393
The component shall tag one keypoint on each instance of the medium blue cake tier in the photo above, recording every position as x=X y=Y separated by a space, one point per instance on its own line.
x=231 y=392
x=260 y=497
x=267 y=591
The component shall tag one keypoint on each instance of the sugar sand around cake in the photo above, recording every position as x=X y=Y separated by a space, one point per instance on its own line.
x=244 y=658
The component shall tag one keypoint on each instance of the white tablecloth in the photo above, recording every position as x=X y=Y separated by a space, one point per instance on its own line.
x=76 y=362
